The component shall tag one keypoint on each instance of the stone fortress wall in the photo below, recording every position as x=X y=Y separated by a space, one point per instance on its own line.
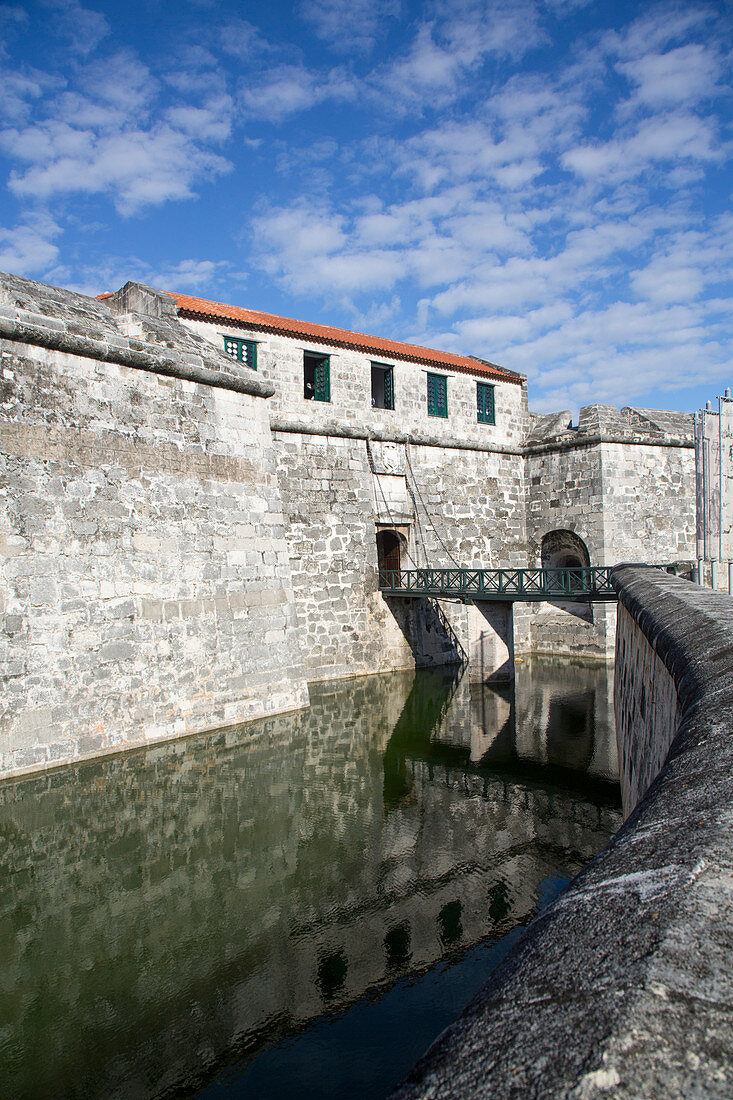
x=185 y=542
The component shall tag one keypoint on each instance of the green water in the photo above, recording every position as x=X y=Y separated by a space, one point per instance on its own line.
x=295 y=907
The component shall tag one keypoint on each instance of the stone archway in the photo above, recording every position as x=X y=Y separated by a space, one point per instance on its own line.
x=564 y=550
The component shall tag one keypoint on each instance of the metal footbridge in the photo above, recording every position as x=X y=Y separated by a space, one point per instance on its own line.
x=588 y=583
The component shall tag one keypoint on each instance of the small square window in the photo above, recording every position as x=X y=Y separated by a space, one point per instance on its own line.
x=245 y=351
x=437 y=395
x=316 y=376
x=382 y=386
x=485 y=403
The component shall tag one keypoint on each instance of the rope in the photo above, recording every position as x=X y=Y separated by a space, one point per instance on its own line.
x=427 y=514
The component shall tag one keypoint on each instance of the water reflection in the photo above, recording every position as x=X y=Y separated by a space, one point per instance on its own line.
x=174 y=911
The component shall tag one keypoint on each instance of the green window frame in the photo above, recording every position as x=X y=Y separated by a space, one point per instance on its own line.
x=485 y=406
x=316 y=376
x=387 y=387
x=245 y=351
x=437 y=395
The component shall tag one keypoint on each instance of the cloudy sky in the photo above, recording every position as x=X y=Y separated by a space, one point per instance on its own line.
x=543 y=183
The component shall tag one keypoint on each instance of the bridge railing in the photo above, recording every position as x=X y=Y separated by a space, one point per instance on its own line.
x=580 y=583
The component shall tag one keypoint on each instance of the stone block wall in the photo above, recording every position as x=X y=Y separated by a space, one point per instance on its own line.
x=178 y=553
x=647 y=710
x=145 y=587
x=628 y=501
x=462 y=506
x=649 y=497
x=565 y=492
x=280 y=361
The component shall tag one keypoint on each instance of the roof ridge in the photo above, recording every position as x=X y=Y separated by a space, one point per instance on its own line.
x=329 y=334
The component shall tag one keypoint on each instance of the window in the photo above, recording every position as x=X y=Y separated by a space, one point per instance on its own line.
x=243 y=350
x=437 y=395
x=316 y=376
x=485 y=403
x=382 y=387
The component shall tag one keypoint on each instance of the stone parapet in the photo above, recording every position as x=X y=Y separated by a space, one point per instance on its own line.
x=623 y=988
x=37 y=315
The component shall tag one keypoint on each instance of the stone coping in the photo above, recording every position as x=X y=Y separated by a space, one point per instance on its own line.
x=341 y=429
x=131 y=330
x=624 y=986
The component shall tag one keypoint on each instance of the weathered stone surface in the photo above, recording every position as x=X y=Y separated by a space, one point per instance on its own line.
x=141 y=532
x=624 y=987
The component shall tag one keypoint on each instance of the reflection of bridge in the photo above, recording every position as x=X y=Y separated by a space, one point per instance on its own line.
x=509 y=585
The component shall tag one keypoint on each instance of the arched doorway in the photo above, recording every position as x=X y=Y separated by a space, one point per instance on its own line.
x=388 y=555
x=564 y=550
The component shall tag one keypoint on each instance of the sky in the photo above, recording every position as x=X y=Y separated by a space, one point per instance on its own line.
x=542 y=183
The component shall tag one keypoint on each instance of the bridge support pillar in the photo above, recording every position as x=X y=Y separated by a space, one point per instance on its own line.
x=491 y=637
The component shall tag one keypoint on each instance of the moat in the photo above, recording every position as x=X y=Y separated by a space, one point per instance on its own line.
x=297 y=906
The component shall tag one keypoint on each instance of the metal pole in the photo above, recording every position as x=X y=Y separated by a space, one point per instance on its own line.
x=705 y=508
x=714 y=571
x=720 y=481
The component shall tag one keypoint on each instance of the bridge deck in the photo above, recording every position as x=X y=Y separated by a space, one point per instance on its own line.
x=586 y=584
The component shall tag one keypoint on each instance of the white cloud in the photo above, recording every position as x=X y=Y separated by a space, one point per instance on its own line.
x=436 y=67
x=348 y=25
x=83 y=27
x=16 y=94
x=212 y=122
x=186 y=275
x=28 y=249
x=659 y=26
x=107 y=140
x=291 y=89
x=681 y=76
x=137 y=168
x=665 y=138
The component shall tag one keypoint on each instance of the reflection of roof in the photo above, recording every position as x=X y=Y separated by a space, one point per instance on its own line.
x=252 y=319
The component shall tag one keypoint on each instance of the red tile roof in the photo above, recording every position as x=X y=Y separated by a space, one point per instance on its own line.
x=252 y=319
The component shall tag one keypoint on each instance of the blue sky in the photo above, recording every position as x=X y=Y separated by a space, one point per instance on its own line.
x=543 y=183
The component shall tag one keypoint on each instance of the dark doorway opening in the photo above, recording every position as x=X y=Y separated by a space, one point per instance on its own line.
x=388 y=556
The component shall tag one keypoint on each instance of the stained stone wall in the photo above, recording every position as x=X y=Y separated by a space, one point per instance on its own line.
x=186 y=540
x=280 y=361
x=145 y=587
x=647 y=710
x=623 y=481
x=456 y=505
x=651 y=490
x=565 y=492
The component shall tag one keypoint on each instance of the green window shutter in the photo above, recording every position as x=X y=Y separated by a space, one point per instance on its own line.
x=389 y=389
x=251 y=353
x=322 y=380
x=245 y=351
x=485 y=412
x=437 y=395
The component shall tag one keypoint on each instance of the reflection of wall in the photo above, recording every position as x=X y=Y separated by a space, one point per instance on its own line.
x=557 y=711
x=565 y=715
x=155 y=906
